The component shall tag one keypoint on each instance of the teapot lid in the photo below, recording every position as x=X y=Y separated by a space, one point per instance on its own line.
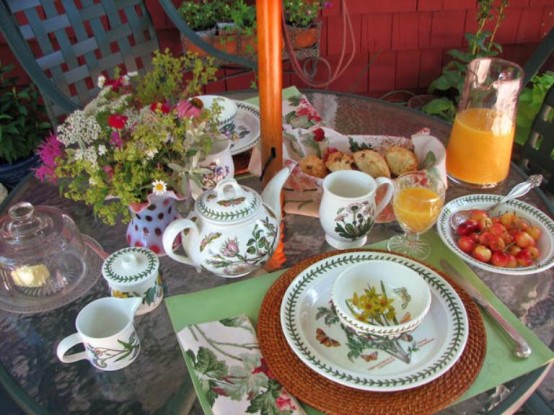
x=228 y=202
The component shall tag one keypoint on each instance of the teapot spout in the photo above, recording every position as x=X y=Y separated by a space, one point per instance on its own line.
x=271 y=196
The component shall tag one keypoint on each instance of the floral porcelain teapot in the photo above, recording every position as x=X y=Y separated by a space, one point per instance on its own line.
x=232 y=230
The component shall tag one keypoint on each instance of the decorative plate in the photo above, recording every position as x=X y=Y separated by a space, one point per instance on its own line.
x=481 y=201
x=247 y=128
x=17 y=302
x=313 y=331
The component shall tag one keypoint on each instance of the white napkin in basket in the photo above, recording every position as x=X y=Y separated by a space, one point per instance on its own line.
x=231 y=370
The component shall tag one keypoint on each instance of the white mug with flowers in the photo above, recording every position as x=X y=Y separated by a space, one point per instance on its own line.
x=142 y=135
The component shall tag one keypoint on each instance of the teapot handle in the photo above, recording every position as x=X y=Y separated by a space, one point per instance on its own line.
x=224 y=184
x=170 y=234
x=388 y=194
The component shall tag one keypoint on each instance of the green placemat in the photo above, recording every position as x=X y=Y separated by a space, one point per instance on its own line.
x=246 y=296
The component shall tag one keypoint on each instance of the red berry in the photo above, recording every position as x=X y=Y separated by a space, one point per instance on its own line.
x=523 y=258
x=500 y=259
x=466 y=244
x=523 y=239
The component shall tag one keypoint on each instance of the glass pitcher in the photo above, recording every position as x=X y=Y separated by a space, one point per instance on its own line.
x=480 y=145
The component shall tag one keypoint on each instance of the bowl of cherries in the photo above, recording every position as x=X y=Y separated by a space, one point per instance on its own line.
x=515 y=238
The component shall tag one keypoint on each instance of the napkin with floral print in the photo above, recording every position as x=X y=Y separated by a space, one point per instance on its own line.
x=231 y=370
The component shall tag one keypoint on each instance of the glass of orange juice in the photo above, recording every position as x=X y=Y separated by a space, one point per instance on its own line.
x=480 y=146
x=417 y=202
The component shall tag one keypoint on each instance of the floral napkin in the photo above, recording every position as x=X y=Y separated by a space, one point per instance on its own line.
x=231 y=370
x=305 y=133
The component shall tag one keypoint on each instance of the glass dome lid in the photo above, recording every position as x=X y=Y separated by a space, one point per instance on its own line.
x=45 y=261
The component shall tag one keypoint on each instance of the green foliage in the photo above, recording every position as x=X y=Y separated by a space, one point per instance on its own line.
x=23 y=123
x=303 y=13
x=199 y=15
x=529 y=104
x=243 y=17
x=166 y=78
x=479 y=44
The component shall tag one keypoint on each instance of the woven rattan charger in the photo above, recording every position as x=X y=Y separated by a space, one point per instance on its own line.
x=333 y=398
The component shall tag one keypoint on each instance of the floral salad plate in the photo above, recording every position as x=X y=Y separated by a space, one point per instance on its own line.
x=315 y=334
x=247 y=128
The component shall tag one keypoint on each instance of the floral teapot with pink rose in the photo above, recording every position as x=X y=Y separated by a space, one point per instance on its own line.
x=232 y=230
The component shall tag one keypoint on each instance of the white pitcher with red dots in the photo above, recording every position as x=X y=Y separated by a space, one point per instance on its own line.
x=149 y=220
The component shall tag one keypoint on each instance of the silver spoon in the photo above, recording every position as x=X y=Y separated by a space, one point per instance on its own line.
x=518 y=190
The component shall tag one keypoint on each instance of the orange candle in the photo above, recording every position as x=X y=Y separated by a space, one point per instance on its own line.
x=268 y=14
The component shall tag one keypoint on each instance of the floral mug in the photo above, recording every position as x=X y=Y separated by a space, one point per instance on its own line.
x=105 y=327
x=348 y=208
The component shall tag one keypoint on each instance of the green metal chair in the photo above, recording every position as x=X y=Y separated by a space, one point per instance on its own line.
x=538 y=150
x=65 y=45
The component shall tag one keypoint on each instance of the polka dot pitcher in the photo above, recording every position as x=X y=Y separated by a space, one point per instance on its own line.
x=149 y=220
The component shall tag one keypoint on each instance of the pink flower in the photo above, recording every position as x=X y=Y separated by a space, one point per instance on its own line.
x=262 y=368
x=117 y=121
x=116 y=139
x=187 y=109
x=231 y=248
x=108 y=170
x=284 y=402
x=49 y=151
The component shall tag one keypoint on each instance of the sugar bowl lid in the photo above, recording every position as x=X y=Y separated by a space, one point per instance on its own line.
x=130 y=266
x=228 y=202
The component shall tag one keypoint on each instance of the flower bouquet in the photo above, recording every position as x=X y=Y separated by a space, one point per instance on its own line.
x=141 y=136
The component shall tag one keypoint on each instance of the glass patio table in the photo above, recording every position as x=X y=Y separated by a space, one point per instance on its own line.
x=158 y=381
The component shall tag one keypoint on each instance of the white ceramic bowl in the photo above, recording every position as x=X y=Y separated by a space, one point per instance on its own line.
x=226 y=119
x=405 y=290
x=545 y=243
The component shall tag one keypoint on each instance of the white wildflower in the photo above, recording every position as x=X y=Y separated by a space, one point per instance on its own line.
x=159 y=187
x=92 y=181
x=91 y=156
x=102 y=149
x=79 y=154
x=79 y=128
x=151 y=152
x=101 y=81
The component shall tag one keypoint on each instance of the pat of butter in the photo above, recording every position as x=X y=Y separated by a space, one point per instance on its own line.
x=30 y=275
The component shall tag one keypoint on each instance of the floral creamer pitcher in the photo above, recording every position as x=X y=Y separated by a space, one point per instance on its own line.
x=232 y=230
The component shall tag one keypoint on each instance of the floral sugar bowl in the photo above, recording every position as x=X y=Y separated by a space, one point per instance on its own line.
x=134 y=272
x=232 y=230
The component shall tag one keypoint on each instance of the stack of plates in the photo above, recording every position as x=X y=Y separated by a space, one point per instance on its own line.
x=305 y=344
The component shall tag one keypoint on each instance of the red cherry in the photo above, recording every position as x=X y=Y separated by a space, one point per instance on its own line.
x=535 y=232
x=496 y=243
x=466 y=244
x=467 y=227
x=500 y=259
x=523 y=258
x=523 y=239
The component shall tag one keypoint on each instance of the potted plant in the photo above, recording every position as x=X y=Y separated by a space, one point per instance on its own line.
x=236 y=32
x=23 y=126
x=200 y=16
x=449 y=84
x=302 y=18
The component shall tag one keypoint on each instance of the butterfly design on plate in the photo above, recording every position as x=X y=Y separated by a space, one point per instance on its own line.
x=370 y=357
x=325 y=340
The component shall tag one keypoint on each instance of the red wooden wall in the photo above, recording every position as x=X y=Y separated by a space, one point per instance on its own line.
x=399 y=44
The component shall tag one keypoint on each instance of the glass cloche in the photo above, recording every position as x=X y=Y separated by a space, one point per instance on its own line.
x=45 y=261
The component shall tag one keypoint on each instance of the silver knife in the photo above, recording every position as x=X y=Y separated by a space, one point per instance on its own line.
x=522 y=349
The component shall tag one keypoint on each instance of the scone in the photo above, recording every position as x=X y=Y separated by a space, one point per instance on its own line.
x=401 y=160
x=313 y=166
x=339 y=161
x=372 y=163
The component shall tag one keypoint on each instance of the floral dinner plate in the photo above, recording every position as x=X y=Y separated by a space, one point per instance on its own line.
x=247 y=128
x=315 y=334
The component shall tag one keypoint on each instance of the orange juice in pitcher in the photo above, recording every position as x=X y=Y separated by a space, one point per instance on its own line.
x=480 y=145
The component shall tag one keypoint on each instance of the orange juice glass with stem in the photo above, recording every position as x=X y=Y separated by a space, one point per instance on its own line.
x=417 y=202
x=480 y=146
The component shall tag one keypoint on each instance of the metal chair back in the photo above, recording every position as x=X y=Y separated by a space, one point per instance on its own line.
x=65 y=45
